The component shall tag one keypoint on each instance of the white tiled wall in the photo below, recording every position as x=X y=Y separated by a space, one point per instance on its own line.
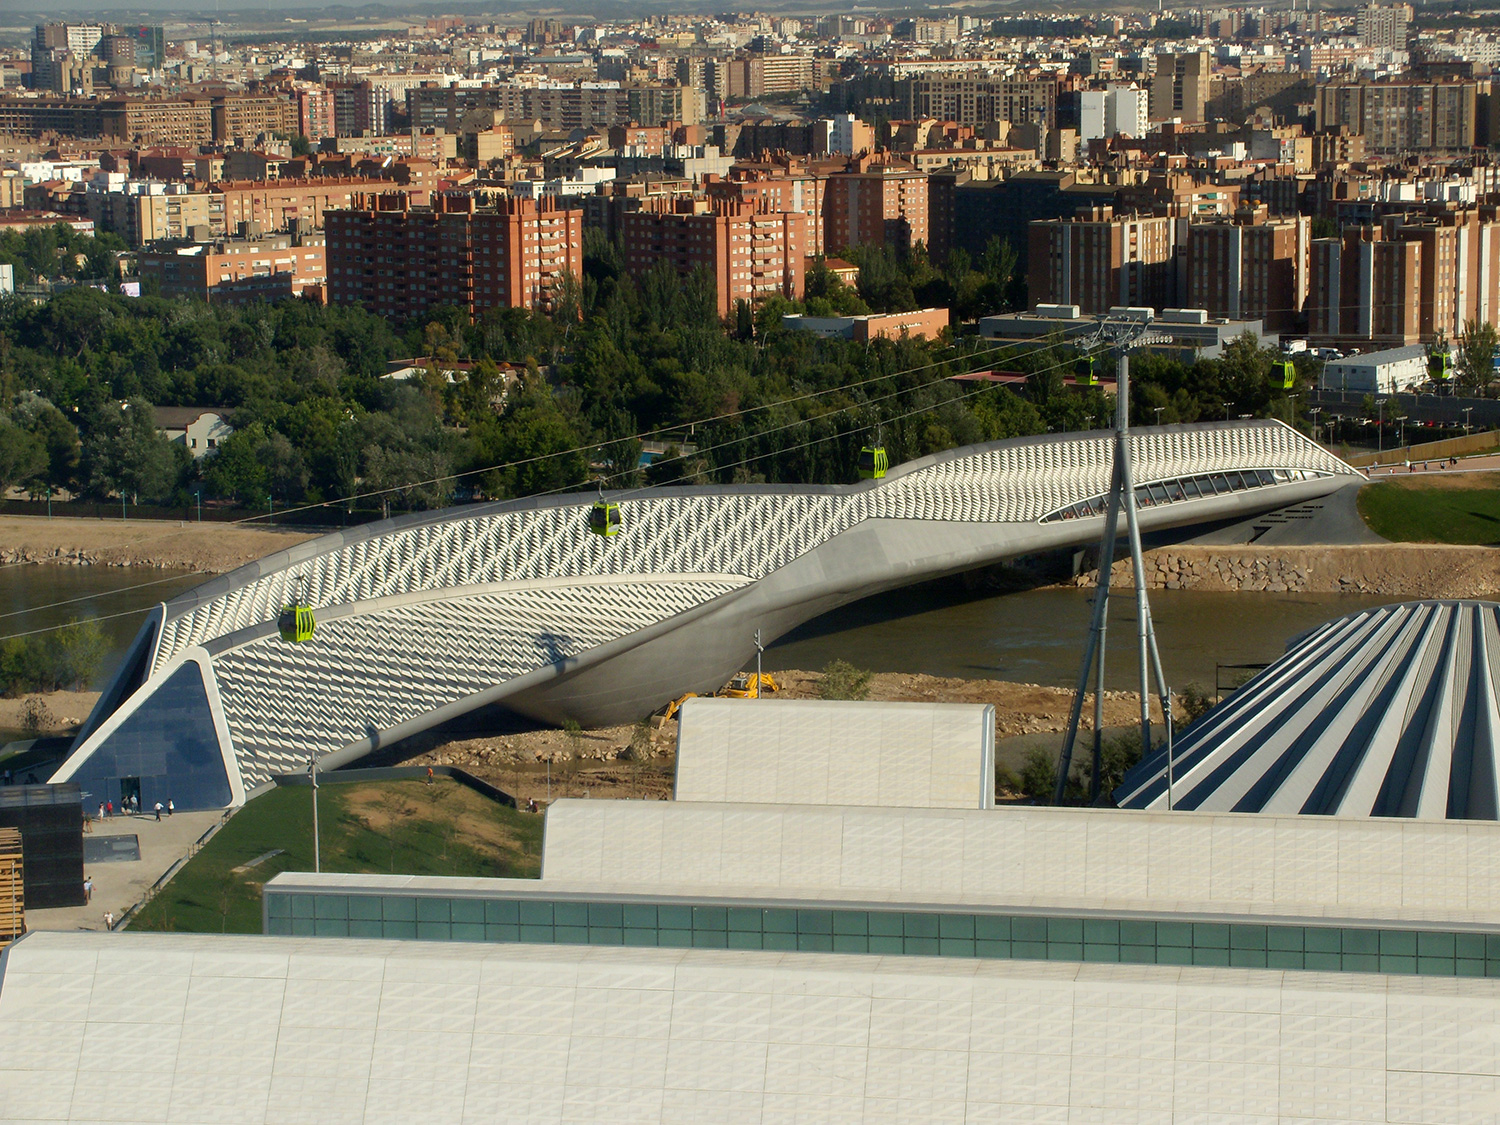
x=185 y=1028
x=1368 y=868
x=807 y=752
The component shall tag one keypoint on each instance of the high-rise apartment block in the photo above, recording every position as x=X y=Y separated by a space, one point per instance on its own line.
x=1250 y=267
x=775 y=188
x=1179 y=89
x=1383 y=26
x=1098 y=259
x=1413 y=277
x=1401 y=116
x=237 y=271
x=875 y=201
x=399 y=260
x=66 y=56
x=751 y=254
x=971 y=100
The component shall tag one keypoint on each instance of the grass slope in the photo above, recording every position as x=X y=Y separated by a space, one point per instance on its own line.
x=405 y=827
x=1466 y=513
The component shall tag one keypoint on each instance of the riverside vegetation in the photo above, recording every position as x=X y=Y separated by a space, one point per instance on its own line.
x=316 y=421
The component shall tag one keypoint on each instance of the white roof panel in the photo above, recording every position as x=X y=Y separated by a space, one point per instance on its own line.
x=200 y=1028
x=813 y=752
x=1104 y=859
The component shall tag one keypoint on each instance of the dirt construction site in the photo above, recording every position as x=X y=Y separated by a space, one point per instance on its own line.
x=638 y=762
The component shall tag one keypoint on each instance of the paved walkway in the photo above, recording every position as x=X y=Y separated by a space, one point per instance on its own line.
x=1488 y=463
x=119 y=886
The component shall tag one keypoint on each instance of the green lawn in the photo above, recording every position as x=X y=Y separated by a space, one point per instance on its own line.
x=405 y=827
x=1406 y=513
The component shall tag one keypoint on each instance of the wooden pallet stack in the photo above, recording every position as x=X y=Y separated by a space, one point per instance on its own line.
x=12 y=895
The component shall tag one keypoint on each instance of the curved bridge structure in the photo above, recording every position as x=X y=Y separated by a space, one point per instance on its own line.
x=426 y=617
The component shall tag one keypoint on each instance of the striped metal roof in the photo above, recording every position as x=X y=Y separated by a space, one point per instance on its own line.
x=1389 y=712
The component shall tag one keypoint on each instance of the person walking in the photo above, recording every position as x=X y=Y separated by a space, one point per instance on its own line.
x=101 y=810
x=109 y=919
x=88 y=890
x=109 y=808
x=171 y=808
x=429 y=775
x=158 y=812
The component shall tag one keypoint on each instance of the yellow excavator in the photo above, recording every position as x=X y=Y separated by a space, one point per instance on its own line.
x=749 y=685
x=745 y=685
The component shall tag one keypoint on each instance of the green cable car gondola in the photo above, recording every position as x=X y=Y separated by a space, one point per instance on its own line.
x=296 y=622
x=1086 y=370
x=1439 y=365
x=1287 y=370
x=604 y=518
x=873 y=462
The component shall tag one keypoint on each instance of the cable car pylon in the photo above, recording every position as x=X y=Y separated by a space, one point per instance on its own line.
x=1122 y=337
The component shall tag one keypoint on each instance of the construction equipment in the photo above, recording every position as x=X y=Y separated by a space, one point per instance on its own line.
x=749 y=685
x=12 y=887
x=665 y=715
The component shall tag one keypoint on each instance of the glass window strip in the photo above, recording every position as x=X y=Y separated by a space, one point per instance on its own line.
x=883 y=931
x=1173 y=489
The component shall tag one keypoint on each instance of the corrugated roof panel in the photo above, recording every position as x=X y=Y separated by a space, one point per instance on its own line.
x=1388 y=712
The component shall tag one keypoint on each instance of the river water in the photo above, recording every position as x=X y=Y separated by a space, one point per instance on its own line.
x=1032 y=636
x=38 y=597
x=1037 y=636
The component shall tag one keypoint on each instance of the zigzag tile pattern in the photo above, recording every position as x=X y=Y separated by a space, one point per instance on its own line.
x=359 y=674
x=750 y=534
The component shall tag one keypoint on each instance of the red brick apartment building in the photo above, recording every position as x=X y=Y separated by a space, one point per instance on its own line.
x=238 y=272
x=400 y=260
x=750 y=253
x=1097 y=260
x=875 y=201
x=1411 y=278
x=1252 y=268
x=778 y=187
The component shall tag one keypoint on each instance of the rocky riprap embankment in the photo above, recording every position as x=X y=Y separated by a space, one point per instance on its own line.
x=1168 y=571
x=75 y=556
x=1396 y=570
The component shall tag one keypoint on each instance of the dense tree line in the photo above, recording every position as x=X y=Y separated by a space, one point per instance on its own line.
x=316 y=422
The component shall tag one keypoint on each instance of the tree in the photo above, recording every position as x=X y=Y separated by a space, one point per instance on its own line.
x=21 y=456
x=126 y=455
x=1476 y=355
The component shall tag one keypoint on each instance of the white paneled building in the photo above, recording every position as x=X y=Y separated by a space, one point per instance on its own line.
x=729 y=960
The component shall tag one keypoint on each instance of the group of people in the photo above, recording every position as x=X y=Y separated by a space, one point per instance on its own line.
x=131 y=805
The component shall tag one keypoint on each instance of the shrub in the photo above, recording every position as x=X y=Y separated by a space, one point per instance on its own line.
x=842 y=680
x=1191 y=704
x=35 y=717
x=65 y=659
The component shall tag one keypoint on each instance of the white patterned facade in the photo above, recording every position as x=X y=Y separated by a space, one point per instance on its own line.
x=749 y=533
x=430 y=613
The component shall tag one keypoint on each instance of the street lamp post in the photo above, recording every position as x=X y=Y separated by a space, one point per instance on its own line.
x=1380 y=427
x=1467 y=411
x=1158 y=410
x=1401 y=430
x=312 y=773
x=1315 y=411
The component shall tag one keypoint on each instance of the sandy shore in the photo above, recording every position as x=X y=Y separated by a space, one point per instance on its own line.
x=209 y=547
